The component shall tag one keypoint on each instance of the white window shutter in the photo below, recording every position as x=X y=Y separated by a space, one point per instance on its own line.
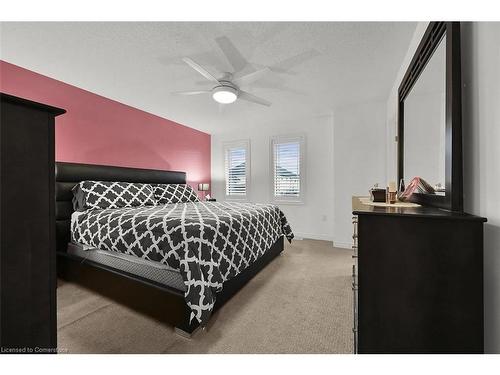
x=287 y=168
x=236 y=169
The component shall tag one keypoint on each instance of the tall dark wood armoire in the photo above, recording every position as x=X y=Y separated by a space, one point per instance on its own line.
x=27 y=234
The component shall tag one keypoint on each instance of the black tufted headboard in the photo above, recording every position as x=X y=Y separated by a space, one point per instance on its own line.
x=69 y=174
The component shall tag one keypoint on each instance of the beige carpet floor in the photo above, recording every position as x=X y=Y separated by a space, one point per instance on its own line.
x=300 y=303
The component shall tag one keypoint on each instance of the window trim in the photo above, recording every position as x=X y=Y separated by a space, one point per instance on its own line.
x=301 y=138
x=244 y=143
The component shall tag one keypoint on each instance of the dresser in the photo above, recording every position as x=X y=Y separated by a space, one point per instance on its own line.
x=27 y=237
x=417 y=279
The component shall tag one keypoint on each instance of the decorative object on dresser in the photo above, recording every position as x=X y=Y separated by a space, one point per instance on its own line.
x=27 y=234
x=417 y=280
x=377 y=194
x=391 y=192
x=416 y=185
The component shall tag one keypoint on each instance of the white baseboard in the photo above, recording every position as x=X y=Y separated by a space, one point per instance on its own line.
x=342 y=245
x=321 y=237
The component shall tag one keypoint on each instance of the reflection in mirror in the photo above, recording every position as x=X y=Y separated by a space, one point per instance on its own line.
x=425 y=123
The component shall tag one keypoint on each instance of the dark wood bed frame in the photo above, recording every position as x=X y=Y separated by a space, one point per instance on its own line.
x=154 y=299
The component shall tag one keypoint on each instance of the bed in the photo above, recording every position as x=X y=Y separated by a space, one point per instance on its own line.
x=182 y=261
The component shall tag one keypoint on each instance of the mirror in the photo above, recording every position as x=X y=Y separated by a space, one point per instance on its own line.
x=425 y=123
x=430 y=118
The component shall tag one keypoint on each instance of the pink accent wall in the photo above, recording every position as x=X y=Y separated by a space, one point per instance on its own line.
x=97 y=130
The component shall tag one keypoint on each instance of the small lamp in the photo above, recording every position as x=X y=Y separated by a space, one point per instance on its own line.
x=204 y=187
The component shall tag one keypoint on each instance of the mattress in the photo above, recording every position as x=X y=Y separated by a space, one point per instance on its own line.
x=153 y=271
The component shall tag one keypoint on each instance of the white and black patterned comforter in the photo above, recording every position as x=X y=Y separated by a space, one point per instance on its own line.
x=208 y=242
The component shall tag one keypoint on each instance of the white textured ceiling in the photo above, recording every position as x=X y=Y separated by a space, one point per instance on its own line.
x=139 y=64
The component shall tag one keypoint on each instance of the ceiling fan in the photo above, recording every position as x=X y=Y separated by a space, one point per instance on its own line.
x=227 y=89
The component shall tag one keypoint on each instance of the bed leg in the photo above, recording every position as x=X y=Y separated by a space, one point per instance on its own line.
x=186 y=329
x=186 y=333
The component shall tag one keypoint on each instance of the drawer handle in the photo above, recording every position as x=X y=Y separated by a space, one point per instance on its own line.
x=354 y=256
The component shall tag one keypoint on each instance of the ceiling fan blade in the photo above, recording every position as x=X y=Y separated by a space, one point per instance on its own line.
x=192 y=92
x=252 y=98
x=252 y=77
x=205 y=73
x=233 y=56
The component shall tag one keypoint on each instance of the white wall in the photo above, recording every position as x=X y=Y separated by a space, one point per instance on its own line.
x=359 y=160
x=481 y=127
x=314 y=218
x=345 y=156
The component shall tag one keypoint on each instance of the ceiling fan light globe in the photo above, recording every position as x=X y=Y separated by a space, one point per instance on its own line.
x=224 y=95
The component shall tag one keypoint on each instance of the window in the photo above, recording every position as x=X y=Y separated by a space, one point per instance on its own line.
x=237 y=169
x=287 y=167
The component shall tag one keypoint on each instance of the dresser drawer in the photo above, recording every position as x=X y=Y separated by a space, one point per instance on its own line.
x=354 y=283
x=355 y=229
x=355 y=315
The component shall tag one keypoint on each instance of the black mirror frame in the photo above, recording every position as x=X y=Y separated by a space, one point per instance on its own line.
x=453 y=198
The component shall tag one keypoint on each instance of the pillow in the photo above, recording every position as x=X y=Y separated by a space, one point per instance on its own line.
x=175 y=193
x=107 y=194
